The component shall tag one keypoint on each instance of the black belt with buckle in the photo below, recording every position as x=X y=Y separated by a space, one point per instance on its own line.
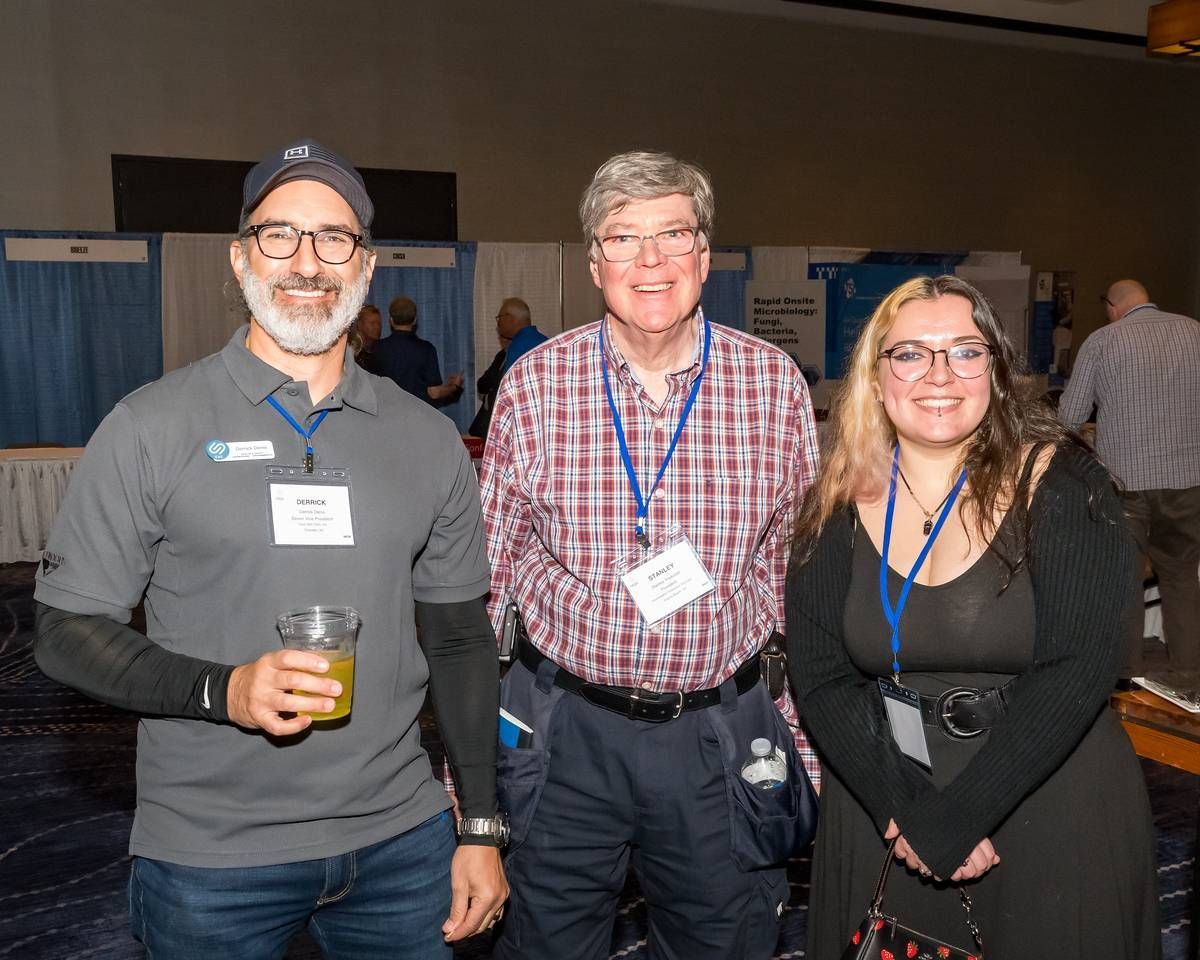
x=640 y=704
x=965 y=712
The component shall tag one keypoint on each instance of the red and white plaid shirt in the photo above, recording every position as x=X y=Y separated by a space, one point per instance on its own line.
x=559 y=512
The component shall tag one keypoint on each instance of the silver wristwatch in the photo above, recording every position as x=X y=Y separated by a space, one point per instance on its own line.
x=486 y=828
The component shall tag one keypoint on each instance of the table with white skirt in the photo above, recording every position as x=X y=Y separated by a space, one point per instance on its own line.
x=33 y=482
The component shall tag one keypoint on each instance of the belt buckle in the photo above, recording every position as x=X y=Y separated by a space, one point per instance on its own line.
x=635 y=698
x=944 y=702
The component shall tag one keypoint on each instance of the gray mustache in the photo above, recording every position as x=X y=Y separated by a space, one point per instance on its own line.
x=297 y=282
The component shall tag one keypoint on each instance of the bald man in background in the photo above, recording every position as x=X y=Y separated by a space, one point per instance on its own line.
x=1142 y=374
x=514 y=323
x=413 y=362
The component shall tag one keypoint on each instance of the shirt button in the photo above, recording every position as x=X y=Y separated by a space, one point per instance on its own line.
x=660 y=425
x=293 y=392
x=659 y=493
x=646 y=685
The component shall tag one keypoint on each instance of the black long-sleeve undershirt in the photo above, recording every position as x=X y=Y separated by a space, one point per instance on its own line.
x=115 y=664
x=464 y=680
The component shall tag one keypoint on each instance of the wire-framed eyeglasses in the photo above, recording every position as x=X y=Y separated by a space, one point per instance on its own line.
x=912 y=361
x=623 y=247
x=280 y=241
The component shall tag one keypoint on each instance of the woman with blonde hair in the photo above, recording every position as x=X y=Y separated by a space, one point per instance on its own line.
x=955 y=612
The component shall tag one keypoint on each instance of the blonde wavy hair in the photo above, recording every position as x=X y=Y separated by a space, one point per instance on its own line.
x=857 y=455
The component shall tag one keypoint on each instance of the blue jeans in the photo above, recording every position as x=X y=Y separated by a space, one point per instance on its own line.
x=388 y=901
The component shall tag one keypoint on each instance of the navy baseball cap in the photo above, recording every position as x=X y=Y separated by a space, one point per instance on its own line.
x=308 y=160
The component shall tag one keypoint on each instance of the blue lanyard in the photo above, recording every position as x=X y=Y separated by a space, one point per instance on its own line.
x=639 y=527
x=306 y=434
x=893 y=616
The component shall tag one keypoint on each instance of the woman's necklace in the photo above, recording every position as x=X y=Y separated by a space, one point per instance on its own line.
x=928 y=525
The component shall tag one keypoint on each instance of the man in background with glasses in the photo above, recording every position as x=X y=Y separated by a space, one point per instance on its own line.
x=639 y=483
x=261 y=480
x=1141 y=374
x=514 y=324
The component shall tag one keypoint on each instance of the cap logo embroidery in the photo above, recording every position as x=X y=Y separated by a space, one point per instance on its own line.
x=296 y=153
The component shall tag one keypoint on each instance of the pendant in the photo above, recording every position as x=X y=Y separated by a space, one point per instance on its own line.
x=928 y=525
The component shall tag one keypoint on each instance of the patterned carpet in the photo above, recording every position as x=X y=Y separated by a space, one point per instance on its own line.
x=66 y=796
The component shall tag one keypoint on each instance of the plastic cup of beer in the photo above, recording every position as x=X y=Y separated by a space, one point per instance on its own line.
x=330 y=632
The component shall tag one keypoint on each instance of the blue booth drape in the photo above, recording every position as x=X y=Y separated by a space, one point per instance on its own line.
x=724 y=296
x=74 y=339
x=852 y=292
x=445 y=313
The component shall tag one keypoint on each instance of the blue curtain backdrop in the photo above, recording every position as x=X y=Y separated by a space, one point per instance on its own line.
x=854 y=290
x=445 y=300
x=724 y=296
x=76 y=338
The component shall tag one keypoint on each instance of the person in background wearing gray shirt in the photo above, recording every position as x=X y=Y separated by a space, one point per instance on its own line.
x=256 y=481
x=1142 y=374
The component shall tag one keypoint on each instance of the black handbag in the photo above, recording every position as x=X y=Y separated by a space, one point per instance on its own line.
x=880 y=937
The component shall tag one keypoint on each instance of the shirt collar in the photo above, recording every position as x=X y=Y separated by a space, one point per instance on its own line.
x=617 y=361
x=257 y=379
x=1140 y=306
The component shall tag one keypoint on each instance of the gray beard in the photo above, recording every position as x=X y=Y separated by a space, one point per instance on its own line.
x=303 y=329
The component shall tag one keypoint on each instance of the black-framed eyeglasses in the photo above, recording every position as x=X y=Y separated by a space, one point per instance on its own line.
x=1104 y=299
x=911 y=361
x=280 y=241
x=623 y=247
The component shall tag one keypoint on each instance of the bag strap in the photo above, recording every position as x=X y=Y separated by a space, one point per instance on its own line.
x=877 y=898
x=876 y=908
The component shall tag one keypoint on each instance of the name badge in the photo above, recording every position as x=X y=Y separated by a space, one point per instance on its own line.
x=227 y=451
x=309 y=509
x=666 y=577
x=903 y=709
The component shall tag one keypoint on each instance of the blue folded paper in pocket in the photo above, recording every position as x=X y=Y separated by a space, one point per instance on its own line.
x=514 y=733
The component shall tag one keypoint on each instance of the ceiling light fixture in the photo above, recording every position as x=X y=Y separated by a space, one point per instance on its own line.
x=1173 y=29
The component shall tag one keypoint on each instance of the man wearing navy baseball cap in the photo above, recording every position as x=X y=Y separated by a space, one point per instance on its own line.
x=253 y=483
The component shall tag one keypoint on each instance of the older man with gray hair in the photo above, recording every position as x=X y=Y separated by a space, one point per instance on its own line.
x=639 y=482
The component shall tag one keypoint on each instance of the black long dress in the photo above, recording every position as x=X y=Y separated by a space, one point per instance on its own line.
x=1076 y=877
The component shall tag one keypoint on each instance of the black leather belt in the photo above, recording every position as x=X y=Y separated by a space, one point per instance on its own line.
x=640 y=704
x=964 y=712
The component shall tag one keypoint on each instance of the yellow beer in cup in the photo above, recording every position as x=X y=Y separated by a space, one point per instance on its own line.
x=332 y=633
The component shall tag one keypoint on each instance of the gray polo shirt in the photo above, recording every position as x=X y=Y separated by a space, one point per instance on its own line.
x=149 y=510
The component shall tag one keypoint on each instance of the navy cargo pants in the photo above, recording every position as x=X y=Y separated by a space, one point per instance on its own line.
x=594 y=789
